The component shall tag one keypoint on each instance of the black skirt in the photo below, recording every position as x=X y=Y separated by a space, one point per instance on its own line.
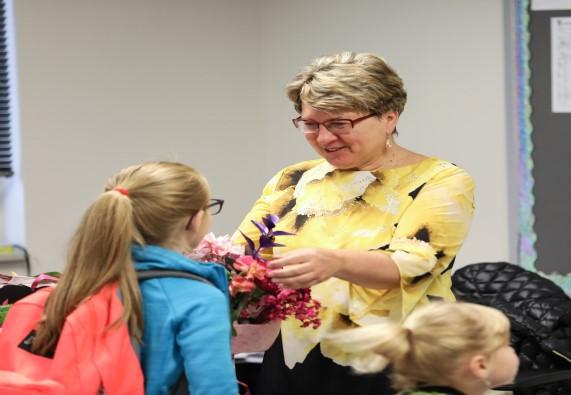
x=315 y=376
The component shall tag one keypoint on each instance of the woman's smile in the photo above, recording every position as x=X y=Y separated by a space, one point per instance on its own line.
x=334 y=149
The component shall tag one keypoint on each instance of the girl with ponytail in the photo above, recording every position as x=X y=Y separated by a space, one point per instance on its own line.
x=146 y=219
x=441 y=348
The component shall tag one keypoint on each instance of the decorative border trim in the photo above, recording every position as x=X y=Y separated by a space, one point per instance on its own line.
x=527 y=253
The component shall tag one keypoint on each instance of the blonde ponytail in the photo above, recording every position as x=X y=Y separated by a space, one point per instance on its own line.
x=99 y=254
x=374 y=346
x=429 y=344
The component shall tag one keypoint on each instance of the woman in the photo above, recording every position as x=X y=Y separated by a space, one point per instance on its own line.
x=377 y=226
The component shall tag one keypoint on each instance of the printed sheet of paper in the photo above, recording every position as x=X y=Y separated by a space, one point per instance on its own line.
x=547 y=5
x=561 y=65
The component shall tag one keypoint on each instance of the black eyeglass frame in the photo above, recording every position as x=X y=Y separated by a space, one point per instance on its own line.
x=213 y=203
x=297 y=120
x=214 y=207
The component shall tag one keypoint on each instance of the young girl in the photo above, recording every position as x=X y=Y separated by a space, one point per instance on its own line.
x=148 y=216
x=441 y=348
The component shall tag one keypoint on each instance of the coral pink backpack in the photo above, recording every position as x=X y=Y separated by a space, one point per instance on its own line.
x=87 y=359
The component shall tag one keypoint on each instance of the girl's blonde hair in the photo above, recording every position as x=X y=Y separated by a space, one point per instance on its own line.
x=428 y=347
x=348 y=81
x=156 y=196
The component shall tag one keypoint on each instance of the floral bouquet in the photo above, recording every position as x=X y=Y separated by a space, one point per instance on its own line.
x=255 y=298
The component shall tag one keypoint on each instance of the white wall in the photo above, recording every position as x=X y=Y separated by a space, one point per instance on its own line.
x=105 y=84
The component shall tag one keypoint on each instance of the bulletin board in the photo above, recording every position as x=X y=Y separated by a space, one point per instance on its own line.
x=543 y=51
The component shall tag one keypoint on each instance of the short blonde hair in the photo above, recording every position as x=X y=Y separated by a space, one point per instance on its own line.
x=429 y=345
x=348 y=81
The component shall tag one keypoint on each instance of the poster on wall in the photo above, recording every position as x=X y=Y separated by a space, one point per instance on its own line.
x=561 y=65
x=547 y=5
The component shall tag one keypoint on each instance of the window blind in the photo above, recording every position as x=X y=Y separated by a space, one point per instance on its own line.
x=6 y=166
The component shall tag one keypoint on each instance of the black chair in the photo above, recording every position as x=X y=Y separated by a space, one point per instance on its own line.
x=540 y=317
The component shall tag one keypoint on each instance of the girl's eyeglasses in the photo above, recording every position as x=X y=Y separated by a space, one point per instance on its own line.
x=214 y=207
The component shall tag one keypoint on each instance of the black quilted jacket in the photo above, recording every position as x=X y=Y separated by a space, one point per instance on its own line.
x=539 y=312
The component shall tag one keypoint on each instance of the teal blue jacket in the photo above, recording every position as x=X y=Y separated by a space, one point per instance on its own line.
x=187 y=325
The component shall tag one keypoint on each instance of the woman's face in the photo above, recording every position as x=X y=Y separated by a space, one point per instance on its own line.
x=362 y=149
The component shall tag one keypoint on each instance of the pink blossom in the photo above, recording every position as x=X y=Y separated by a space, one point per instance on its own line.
x=222 y=246
x=216 y=249
x=241 y=284
x=242 y=264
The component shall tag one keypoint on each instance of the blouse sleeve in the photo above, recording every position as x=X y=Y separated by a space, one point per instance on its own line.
x=430 y=233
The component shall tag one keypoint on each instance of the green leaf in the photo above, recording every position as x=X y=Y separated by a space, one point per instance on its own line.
x=4 y=312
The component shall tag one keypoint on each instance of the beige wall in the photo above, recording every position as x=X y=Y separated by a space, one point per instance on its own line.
x=109 y=83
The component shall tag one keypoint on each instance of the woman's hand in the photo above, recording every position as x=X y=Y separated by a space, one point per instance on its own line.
x=310 y=266
x=304 y=267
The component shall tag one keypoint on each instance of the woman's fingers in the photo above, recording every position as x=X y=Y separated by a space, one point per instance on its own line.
x=292 y=258
x=288 y=271
x=303 y=281
x=299 y=269
x=285 y=260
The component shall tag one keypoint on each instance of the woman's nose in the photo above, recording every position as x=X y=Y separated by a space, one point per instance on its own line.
x=324 y=136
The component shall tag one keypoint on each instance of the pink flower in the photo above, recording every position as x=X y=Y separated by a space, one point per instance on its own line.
x=241 y=284
x=252 y=267
x=222 y=246
x=243 y=263
x=216 y=249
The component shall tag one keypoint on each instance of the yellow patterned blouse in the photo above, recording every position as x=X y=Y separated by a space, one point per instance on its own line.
x=418 y=214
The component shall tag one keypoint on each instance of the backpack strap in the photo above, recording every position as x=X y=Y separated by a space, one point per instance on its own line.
x=181 y=386
x=143 y=275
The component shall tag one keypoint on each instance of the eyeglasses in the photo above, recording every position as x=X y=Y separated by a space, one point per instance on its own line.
x=335 y=126
x=214 y=207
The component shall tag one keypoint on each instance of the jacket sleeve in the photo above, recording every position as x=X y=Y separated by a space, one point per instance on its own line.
x=203 y=337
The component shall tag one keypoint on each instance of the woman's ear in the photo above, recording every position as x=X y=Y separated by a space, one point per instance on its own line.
x=392 y=118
